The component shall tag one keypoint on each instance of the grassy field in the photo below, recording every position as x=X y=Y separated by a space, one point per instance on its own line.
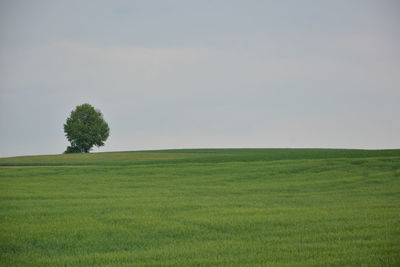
x=205 y=207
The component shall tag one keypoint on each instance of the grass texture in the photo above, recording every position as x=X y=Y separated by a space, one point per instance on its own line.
x=202 y=207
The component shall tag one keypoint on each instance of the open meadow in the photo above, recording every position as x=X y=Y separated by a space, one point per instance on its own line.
x=202 y=207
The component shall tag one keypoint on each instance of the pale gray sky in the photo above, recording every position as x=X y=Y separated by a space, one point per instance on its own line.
x=190 y=74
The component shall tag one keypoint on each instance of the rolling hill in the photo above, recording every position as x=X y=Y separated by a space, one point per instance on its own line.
x=202 y=207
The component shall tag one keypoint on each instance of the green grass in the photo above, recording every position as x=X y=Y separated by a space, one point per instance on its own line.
x=206 y=207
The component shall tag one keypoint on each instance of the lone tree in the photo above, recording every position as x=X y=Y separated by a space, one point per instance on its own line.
x=85 y=128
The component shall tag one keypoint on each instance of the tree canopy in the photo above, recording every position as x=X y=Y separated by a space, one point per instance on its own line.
x=85 y=128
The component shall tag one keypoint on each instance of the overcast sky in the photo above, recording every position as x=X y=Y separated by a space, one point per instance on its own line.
x=193 y=74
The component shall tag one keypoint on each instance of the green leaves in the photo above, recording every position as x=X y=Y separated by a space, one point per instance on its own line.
x=85 y=128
